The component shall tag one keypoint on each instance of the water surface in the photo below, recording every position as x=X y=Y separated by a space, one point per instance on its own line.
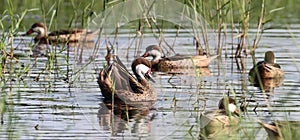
x=63 y=100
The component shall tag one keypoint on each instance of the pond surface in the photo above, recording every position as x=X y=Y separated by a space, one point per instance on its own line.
x=56 y=102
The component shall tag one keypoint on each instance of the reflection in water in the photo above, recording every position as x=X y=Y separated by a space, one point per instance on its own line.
x=119 y=117
x=41 y=50
x=219 y=132
x=267 y=84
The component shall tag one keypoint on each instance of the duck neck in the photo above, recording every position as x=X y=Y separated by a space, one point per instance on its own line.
x=140 y=75
x=157 y=55
x=156 y=58
x=143 y=82
x=42 y=32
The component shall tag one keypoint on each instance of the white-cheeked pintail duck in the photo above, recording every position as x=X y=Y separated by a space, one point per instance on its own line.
x=224 y=116
x=282 y=130
x=61 y=36
x=266 y=69
x=222 y=122
x=116 y=82
x=159 y=62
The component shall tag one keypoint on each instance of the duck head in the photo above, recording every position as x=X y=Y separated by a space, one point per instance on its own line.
x=154 y=51
x=270 y=57
x=39 y=28
x=228 y=102
x=141 y=68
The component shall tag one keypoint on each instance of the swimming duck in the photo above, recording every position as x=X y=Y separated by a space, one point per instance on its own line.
x=61 y=36
x=280 y=130
x=212 y=123
x=267 y=68
x=115 y=81
x=159 y=62
x=224 y=116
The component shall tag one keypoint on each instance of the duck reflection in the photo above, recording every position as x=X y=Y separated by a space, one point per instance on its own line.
x=120 y=118
x=268 y=85
x=42 y=50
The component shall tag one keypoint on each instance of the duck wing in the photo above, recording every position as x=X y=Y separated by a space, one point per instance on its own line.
x=125 y=80
x=119 y=62
x=65 y=32
x=177 y=57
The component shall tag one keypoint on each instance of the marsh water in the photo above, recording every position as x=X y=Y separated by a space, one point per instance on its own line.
x=63 y=100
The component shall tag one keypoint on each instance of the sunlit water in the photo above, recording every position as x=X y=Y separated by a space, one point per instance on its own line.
x=59 y=103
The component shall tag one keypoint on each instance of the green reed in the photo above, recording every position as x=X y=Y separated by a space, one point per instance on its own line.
x=13 y=72
x=9 y=74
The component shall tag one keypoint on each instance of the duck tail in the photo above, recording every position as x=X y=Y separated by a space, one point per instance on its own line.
x=212 y=57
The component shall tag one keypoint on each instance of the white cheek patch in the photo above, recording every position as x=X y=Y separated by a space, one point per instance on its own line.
x=232 y=107
x=155 y=53
x=39 y=30
x=141 y=69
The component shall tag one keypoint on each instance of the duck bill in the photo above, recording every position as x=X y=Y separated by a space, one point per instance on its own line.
x=146 y=54
x=149 y=76
x=236 y=112
x=30 y=31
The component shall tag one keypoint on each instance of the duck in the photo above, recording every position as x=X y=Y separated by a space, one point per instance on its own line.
x=116 y=82
x=224 y=116
x=280 y=130
x=61 y=36
x=266 y=69
x=160 y=63
x=215 y=123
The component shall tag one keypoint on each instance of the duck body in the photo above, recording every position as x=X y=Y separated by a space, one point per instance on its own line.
x=221 y=117
x=266 y=69
x=182 y=61
x=116 y=82
x=281 y=130
x=218 y=118
x=215 y=123
x=161 y=63
x=61 y=36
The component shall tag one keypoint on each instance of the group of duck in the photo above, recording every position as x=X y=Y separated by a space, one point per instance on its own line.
x=116 y=82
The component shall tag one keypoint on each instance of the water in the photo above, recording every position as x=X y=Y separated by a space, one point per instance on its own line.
x=55 y=102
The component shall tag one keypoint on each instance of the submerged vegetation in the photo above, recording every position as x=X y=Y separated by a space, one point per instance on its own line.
x=234 y=19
